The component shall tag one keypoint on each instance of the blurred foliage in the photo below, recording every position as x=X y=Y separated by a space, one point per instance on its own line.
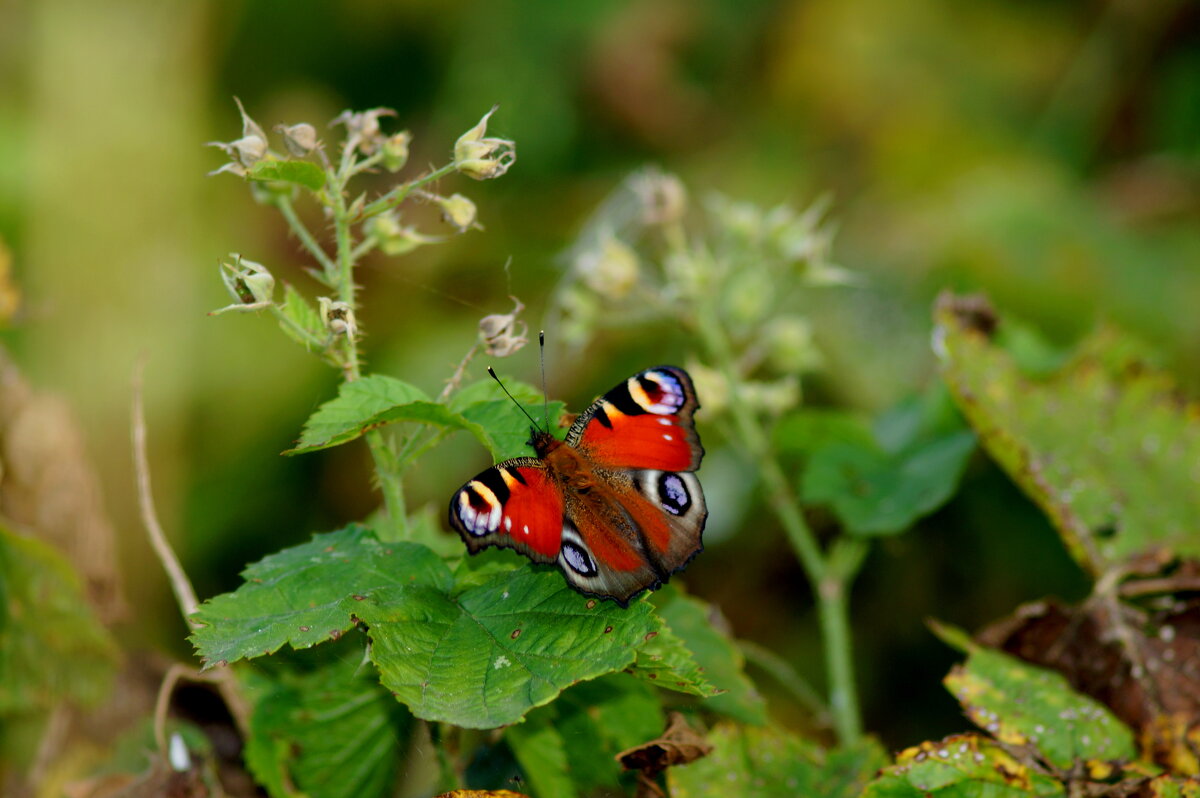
x=1046 y=153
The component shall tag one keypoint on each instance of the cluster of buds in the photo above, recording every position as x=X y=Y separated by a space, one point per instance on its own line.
x=480 y=157
x=363 y=131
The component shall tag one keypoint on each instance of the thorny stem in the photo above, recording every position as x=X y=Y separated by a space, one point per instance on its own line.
x=284 y=203
x=400 y=193
x=829 y=583
x=382 y=452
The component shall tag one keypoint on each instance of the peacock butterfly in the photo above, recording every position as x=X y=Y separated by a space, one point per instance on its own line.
x=616 y=505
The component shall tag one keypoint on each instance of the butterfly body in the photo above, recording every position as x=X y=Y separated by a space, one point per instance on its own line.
x=615 y=505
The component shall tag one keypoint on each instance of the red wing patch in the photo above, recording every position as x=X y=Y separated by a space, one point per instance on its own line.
x=511 y=506
x=642 y=441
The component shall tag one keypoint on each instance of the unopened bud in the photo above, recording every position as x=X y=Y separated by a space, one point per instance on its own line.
x=663 y=198
x=300 y=139
x=610 y=269
x=394 y=238
x=338 y=317
x=502 y=333
x=482 y=158
x=246 y=151
x=790 y=346
x=395 y=150
x=458 y=211
x=250 y=284
x=362 y=128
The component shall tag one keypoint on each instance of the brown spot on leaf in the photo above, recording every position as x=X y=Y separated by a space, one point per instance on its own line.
x=972 y=311
x=607 y=629
x=650 y=636
x=591 y=603
x=334 y=634
x=359 y=598
x=305 y=628
x=515 y=634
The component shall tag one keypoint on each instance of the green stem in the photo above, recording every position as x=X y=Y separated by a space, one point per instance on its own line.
x=284 y=203
x=382 y=453
x=400 y=193
x=829 y=583
x=782 y=671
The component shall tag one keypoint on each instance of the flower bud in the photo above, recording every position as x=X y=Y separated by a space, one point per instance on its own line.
x=250 y=284
x=483 y=158
x=663 y=198
x=362 y=128
x=789 y=345
x=338 y=317
x=300 y=139
x=395 y=150
x=246 y=151
x=458 y=211
x=611 y=269
x=502 y=333
x=394 y=238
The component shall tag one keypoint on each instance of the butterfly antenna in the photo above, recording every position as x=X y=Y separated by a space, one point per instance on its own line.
x=520 y=407
x=545 y=396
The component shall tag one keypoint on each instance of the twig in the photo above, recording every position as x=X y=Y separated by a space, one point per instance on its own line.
x=185 y=594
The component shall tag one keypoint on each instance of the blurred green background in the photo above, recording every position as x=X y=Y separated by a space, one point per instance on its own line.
x=1047 y=153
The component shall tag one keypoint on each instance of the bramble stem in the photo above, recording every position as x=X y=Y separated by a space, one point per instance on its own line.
x=829 y=583
x=284 y=204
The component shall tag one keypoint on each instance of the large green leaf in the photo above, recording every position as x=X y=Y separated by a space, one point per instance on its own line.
x=1022 y=704
x=332 y=731
x=485 y=657
x=692 y=621
x=538 y=747
x=880 y=482
x=506 y=429
x=309 y=593
x=754 y=762
x=961 y=766
x=1105 y=445
x=52 y=648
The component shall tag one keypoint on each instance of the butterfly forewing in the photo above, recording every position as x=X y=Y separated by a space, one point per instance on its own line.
x=514 y=504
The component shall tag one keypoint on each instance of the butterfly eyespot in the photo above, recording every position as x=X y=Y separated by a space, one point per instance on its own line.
x=657 y=392
x=578 y=559
x=673 y=493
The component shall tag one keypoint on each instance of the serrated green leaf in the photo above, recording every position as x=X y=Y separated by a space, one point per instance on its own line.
x=1022 y=704
x=665 y=661
x=490 y=391
x=1104 y=446
x=539 y=749
x=505 y=428
x=723 y=663
x=332 y=732
x=487 y=656
x=303 y=315
x=366 y=403
x=961 y=766
x=309 y=593
x=882 y=483
x=52 y=648
x=301 y=173
x=753 y=762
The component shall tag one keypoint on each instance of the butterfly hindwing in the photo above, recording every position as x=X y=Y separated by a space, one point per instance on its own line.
x=514 y=504
x=645 y=422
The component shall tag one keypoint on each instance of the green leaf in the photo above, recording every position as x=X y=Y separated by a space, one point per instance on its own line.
x=52 y=648
x=961 y=766
x=691 y=620
x=1022 y=704
x=752 y=762
x=303 y=316
x=1104 y=446
x=490 y=391
x=487 y=656
x=665 y=661
x=332 y=732
x=505 y=428
x=882 y=483
x=309 y=593
x=301 y=173
x=539 y=749
x=601 y=718
x=363 y=404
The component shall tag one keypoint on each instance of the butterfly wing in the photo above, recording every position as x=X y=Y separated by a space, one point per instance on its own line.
x=514 y=504
x=640 y=438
